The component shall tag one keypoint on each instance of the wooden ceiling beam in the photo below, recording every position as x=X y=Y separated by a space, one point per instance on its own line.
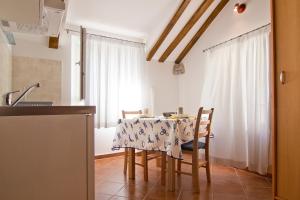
x=188 y=26
x=202 y=29
x=168 y=28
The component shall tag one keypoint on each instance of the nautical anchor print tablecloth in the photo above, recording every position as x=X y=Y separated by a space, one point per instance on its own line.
x=154 y=134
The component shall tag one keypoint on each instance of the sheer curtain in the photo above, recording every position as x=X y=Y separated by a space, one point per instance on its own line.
x=237 y=85
x=115 y=78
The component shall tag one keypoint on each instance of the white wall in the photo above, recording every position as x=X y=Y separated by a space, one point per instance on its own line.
x=36 y=46
x=164 y=87
x=5 y=67
x=227 y=25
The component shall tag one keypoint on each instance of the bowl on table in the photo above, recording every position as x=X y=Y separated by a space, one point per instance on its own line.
x=168 y=114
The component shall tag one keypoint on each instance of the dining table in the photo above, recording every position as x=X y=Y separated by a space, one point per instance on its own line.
x=159 y=134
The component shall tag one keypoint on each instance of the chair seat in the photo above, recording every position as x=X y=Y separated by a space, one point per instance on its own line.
x=189 y=146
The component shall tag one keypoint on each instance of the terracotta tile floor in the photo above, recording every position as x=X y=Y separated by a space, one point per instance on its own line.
x=227 y=184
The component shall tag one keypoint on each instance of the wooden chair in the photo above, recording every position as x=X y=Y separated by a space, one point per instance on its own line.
x=146 y=156
x=202 y=129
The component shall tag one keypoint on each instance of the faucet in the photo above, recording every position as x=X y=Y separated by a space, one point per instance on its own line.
x=9 y=95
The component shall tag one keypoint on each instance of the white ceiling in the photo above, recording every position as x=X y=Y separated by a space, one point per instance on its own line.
x=135 y=18
x=141 y=19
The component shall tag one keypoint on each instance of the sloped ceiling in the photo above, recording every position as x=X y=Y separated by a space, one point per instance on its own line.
x=143 y=19
x=134 y=17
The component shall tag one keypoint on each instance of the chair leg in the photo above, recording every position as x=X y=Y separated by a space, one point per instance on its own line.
x=171 y=174
x=131 y=163
x=207 y=160
x=178 y=166
x=208 y=172
x=145 y=164
x=125 y=160
x=163 y=168
x=142 y=156
x=195 y=173
x=158 y=162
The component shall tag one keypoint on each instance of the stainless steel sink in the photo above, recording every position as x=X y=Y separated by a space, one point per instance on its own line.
x=34 y=103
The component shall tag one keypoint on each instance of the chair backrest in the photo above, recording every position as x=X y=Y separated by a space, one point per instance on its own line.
x=203 y=125
x=132 y=113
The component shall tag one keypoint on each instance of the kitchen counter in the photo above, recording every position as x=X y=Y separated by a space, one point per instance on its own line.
x=46 y=110
x=47 y=152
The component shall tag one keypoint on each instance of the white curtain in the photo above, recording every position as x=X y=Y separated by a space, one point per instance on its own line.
x=115 y=78
x=237 y=85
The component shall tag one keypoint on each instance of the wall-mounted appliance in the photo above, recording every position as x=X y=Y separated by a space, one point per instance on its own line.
x=43 y=17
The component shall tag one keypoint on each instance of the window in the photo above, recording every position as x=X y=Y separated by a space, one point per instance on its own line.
x=115 y=78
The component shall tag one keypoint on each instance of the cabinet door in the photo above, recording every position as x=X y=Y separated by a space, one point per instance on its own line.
x=286 y=21
x=45 y=158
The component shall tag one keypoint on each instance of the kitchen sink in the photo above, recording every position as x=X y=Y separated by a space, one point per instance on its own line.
x=34 y=103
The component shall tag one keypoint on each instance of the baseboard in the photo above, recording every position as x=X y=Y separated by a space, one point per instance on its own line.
x=269 y=175
x=110 y=155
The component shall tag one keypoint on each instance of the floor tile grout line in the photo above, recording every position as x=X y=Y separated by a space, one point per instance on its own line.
x=179 y=195
x=115 y=194
x=240 y=181
x=148 y=192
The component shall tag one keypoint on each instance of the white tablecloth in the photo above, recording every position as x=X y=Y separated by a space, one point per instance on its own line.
x=154 y=134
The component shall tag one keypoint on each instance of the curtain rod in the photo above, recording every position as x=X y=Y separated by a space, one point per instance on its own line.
x=236 y=37
x=104 y=36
